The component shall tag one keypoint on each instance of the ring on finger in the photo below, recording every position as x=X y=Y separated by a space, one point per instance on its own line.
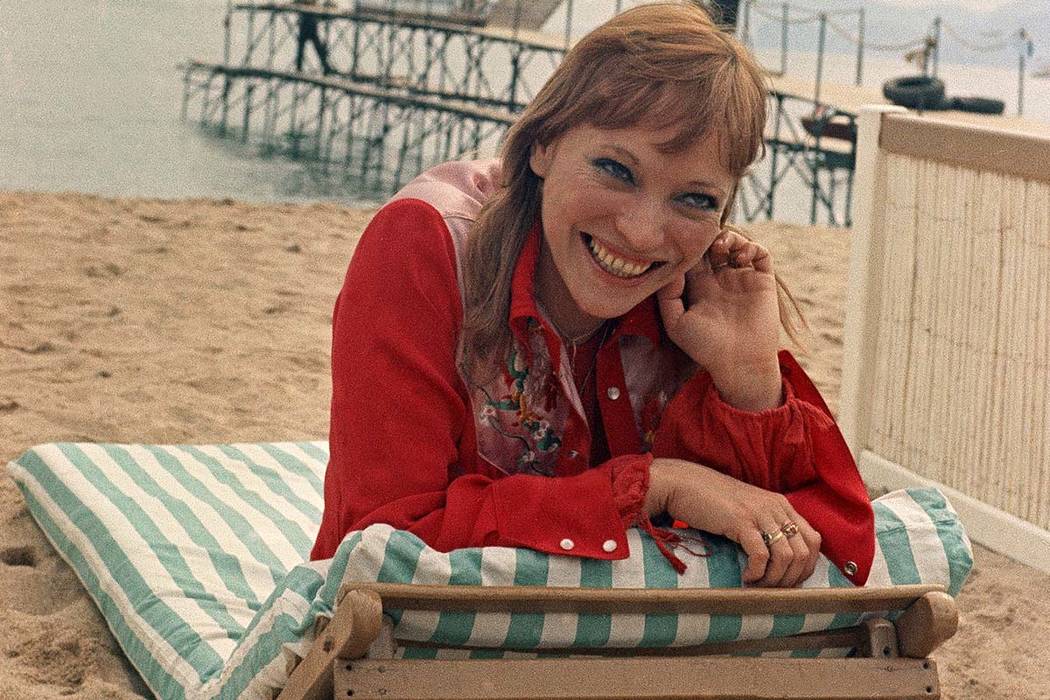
x=789 y=529
x=770 y=537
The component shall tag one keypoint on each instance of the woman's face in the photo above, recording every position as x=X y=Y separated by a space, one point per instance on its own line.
x=621 y=219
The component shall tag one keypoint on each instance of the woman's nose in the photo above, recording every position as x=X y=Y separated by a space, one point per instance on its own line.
x=641 y=222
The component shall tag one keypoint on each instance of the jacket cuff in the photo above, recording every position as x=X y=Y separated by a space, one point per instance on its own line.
x=630 y=484
x=714 y=399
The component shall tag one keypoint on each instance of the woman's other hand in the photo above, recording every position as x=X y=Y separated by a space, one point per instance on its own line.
x=724 y=314
x=713 y=502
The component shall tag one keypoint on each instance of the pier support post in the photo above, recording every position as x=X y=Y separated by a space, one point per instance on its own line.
x=785 y=18
x=860 y=45
x=249 y=89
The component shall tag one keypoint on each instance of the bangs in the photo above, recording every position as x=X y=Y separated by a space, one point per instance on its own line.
x=674 y=106
x=662 y=66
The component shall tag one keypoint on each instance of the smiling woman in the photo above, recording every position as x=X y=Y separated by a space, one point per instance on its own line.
x=621 y=220
x=548 y=350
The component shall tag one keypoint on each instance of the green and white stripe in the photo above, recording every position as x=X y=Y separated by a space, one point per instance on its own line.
x=194 y=555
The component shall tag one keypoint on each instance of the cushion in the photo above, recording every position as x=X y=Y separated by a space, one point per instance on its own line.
x=195 y=556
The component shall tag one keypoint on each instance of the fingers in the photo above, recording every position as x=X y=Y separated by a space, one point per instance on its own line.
x=733 y=249
x=793 y=551
x=757 y=555
x=797 y=570
x=670 y=301
x=781 y=554
x=673 y=289
x=813 y=541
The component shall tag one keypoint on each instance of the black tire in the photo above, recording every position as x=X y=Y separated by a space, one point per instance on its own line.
x=981 y=105
x=915 y=92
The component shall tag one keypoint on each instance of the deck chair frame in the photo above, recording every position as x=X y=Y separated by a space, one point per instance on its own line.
x=353 y=654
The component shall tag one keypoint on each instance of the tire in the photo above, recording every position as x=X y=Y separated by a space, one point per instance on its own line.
x=915 y=92
x=981 y=105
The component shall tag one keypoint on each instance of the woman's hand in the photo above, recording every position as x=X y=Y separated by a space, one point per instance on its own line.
x=711 y=501
x=724 y=314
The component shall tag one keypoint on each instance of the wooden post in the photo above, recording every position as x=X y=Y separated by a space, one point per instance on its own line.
x=249 y=89
x=865 y=254
x=251 y=36
x=746 y=26
x=860 y=45
x=820 y=57
x=785 y=16
x=1025 y=47
x=568 y=23
x=882 y=639
x=936 y=44
x=353 y=629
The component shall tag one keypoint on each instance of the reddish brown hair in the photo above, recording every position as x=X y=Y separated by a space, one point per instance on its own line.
x=664 y=65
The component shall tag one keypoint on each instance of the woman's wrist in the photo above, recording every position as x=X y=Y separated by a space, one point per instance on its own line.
x=655 y=496
x=750 y=387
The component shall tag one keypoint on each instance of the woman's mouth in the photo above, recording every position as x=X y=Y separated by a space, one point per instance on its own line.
x=614 y=264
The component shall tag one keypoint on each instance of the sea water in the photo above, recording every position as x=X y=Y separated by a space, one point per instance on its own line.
x=90 y=98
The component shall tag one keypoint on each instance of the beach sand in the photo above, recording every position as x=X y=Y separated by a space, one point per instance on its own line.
x=206 y=321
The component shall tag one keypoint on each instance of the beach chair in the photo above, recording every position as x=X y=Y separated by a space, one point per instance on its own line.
x=195 y=555
x=946 y=357
x=354 y=654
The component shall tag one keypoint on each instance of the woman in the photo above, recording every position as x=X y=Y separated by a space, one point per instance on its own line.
x=545 y=351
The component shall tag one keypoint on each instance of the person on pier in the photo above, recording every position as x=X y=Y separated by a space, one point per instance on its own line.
x=309 y=33
x=546 y=350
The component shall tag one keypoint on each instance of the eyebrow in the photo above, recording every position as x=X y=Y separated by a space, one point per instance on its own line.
x=699 y=184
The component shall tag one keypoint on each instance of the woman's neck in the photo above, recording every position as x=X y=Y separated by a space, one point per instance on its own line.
x=571 y=322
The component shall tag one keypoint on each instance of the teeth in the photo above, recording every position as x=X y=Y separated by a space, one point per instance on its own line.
x=614 y=265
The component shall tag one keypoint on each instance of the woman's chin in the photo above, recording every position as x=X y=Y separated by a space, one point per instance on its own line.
x=603 y=310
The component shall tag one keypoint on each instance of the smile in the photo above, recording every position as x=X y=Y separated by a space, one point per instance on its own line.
x=614 y=264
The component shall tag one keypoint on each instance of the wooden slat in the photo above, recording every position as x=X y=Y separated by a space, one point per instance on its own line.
x=715 y=601
x=844 y=638
x=440 y=104
x=590 y=679
x=976 y=147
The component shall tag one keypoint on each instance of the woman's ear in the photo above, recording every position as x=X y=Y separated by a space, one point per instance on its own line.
x=540 y=159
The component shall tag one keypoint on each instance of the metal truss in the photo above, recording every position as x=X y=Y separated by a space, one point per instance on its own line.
x=810 y=152
x=409 y=90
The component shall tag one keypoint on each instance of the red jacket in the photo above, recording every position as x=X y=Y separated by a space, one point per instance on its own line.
x=508 y=463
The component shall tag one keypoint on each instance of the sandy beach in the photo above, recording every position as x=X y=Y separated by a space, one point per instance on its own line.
x=128 y=320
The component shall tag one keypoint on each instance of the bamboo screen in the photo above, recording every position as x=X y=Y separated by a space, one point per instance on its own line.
x=961 y=383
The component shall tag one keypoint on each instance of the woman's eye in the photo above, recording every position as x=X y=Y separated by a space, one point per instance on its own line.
x=698 y=200
x=616 y=169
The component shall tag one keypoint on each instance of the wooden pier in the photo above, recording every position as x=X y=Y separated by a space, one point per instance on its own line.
x=407 y=89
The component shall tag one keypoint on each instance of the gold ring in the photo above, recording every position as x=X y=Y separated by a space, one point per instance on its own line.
x=790 y=529
x=770 y=537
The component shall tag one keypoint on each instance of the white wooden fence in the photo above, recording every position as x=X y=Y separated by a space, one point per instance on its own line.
x=946 y=365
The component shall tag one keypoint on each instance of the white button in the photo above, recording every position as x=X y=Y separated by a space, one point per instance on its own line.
x=573 y=454
x=567 y=544
x=609 y=545
x=613 y=393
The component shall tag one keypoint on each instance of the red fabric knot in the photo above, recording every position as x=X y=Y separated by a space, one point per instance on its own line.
x=668 y=541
